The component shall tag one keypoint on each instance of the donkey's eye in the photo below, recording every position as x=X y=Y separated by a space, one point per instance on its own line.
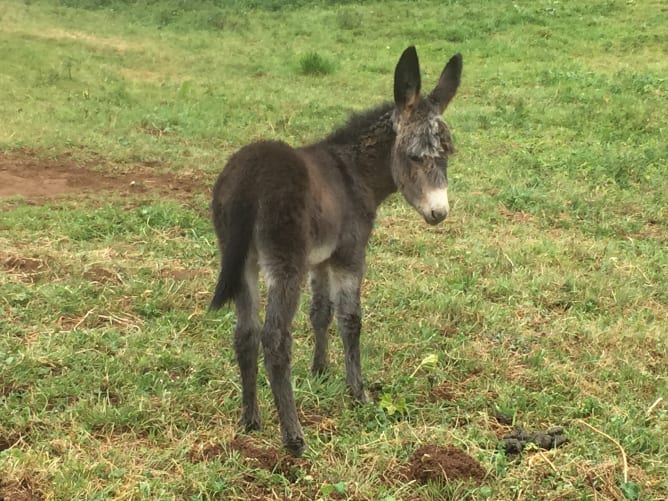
x=414 y=158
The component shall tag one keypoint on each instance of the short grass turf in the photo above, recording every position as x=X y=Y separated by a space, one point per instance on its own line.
x=543 y=297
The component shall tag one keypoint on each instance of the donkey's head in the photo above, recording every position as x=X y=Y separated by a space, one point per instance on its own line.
x=420 y=154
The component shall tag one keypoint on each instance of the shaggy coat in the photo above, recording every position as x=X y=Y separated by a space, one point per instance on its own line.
x=288 y=212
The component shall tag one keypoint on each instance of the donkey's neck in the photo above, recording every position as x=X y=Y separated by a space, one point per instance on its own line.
x=373 y=153
x=364 y=146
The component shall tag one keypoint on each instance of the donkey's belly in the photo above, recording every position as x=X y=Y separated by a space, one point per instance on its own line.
x=321 y=252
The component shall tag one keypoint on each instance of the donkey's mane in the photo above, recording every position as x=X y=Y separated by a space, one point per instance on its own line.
x=358 y=123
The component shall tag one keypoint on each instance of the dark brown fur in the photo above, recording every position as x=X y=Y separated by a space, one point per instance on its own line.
x=289 y=211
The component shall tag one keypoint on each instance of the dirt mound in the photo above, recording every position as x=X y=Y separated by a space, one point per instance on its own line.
x=25 y=173
x=442 y=464
x=266 y=458
x=26 y=269
x=269 y=458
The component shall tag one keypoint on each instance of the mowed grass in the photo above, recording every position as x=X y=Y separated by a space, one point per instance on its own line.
x=543 y=296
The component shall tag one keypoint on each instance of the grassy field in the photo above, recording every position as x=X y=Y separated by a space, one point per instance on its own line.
x=543 y=297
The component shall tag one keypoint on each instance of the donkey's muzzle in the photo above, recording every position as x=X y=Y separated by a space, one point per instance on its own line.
x=435 y=216
x=435 y=207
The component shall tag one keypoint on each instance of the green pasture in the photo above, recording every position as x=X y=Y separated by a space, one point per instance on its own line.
x=543 y=297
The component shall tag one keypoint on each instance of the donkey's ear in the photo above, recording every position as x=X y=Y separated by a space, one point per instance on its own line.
x=447 y=85
x=407 y=79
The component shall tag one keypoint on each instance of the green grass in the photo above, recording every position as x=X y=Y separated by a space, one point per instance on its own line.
x=313 y=63
x=544 y=295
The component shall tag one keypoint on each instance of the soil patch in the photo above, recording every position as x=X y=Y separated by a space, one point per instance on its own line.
x=102 y=275
x=19 y=491
x=7 y=443
x=200 y=453
x=24 y=173
x=266 y=458
x=518 y=217
x=432 y=463
x=22 y=264
x=179 y=274
x=442 y=392
x=313 y=420
x=270 y=459
x=28 y=269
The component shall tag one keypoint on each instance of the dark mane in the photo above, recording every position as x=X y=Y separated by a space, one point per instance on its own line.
x=357 y=124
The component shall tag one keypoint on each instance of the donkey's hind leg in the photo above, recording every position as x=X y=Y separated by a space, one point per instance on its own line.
x=321 y=316
x=346 y=295
x=246 y=343
x=282 y=301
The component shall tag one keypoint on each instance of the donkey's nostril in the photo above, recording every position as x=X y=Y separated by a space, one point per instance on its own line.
x=437 y=216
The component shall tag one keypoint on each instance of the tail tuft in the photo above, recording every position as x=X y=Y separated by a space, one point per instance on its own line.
x=240 y=221
x=225 y=291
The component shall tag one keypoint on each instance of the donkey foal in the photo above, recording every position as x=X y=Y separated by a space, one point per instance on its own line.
x=287 y=211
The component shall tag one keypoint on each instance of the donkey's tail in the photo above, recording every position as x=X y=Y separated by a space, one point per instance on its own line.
x=240 y=220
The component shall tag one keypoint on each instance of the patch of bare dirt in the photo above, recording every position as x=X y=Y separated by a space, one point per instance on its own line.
x=314 y=420
x=7 y=442
x=200 y=453
x=101 y=275
x=23 y=264
x=24 y=173
x=266 y=458
x=179 y=274
x=442 y=392
x=19 y=491
x=517 y=217
x=652 y=230
x=93 y=319
x=8 y=387
x=433 y=463
x=28 y=269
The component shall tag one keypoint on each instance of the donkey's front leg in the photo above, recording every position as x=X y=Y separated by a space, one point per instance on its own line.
x=346 y=292
x=282 y=299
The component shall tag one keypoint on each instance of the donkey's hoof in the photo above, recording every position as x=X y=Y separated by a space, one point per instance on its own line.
x=251 y=423
x=252 y=426
x=360 y=397
x=319 y=371
x=295 y=446
x=363 y=399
